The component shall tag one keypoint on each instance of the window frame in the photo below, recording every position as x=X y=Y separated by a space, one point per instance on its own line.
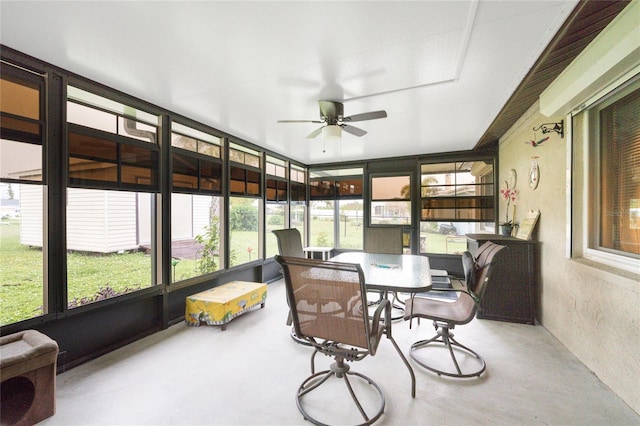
x=109 y=103
x=201 y=160
x=585 y=223
x=488 y=196
x=30 y=79
x=408 y=199
x=251 y=175
x=337 y=186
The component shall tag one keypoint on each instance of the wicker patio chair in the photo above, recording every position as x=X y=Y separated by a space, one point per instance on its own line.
x=446 y=315
x=328 y=305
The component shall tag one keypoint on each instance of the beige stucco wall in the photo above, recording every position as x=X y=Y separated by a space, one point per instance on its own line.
x=593 y=311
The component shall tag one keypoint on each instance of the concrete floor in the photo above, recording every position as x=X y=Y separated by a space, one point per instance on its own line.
x=249 y=374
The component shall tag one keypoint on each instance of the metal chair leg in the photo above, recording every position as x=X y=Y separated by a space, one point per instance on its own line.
x=445 y=338
x=339 y=370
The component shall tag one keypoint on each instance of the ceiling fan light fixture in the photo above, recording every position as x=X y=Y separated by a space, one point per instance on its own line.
x=331 y=133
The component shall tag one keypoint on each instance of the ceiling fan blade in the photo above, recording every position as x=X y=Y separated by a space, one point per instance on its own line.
x=315 y=133
x=353 y=130
x=299 y=121
x=373 y=115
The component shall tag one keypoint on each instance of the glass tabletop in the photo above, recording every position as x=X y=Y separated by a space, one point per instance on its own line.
x=392 y=272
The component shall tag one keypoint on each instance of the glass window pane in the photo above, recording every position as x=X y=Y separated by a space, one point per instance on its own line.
x=297 y=175
x=449 y=237
x=270 y=169
x=298 y=220
x=438 y=169
x=89 y=98
x=91 y=117
x=137 y=175
x=136 y=130
x=237 y=156
x=19 y=129
x=350 y=227
x=190 y=132
x=142 y=157
x=109 y=244
x=619 y=186
x=322 y=223
x=20 y=160
x=208 y=149
x=83 y=171
x=350 y=188
x=391 y=188
x=390 y=212
x=210 y=176
x=457 y=191
x=185 y=171
x=237 y=183
x=253 y=182
x=20 y=98
x=184 y=142
x=275 y=216
x=321 y=189
x=21 y=230
x=244 y=241
x=252 y=160
x=86 y=146
x=298 y=193
x=272 y=190
x=196 y=239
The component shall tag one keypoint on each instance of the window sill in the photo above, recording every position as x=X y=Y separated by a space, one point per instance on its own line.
x=609 y=269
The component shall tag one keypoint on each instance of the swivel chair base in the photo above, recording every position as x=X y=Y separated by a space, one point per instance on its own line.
x=340 y=370
x=444 y=339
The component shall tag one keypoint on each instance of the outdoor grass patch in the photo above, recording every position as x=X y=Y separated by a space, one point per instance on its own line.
x=92 y=277
x=88 y=273
x=21 y=276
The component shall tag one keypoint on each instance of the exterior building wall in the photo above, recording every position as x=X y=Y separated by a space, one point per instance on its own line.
x=590 y=308
x=31 y=215
x=201 y=207
x=101 y=221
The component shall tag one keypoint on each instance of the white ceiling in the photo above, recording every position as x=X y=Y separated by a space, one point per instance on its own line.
x=441 y=69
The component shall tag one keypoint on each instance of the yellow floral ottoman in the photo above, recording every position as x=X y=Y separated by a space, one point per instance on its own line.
x=221 y=304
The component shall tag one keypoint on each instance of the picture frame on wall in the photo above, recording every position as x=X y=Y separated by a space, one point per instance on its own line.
x=525 y=230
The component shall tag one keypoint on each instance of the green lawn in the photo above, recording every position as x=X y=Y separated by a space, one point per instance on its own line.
x=21 y=271
x=21 y=275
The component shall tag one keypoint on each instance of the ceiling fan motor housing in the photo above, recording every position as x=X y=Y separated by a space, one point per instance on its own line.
x=331 y=112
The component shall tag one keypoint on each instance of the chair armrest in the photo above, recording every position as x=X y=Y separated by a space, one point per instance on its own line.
x=375 y=321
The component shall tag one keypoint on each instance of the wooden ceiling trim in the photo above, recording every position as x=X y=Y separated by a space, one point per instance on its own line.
x=585 y=22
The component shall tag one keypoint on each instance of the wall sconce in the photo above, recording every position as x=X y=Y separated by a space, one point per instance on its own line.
x=546 y=128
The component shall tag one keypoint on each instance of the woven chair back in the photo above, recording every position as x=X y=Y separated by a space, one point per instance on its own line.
x=289 y=242
x=328 y=300
x=383 y=240
x=485 y=259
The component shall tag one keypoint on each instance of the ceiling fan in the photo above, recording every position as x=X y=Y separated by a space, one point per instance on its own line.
x=332 y=116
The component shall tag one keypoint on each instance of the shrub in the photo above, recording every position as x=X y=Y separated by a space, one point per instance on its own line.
x=323 y=239
x=210 y=246
x=276 y=220
x=243 y=218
